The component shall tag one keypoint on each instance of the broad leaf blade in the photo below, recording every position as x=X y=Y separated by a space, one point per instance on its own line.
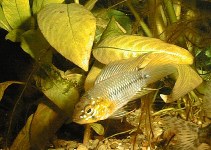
x=70 y=29
x=39 y=4
x=4 y=86
x=186 y=80
x=61 y=89
x=17 y=12
x=45 y=123
x=3 y=21
x=127 y=46
x=33 y=43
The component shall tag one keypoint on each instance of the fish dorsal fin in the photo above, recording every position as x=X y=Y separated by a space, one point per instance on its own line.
x=126 y=109
x=119 y=67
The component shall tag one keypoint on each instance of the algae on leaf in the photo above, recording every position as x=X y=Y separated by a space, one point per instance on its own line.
x=70 y=29
x=60 y=89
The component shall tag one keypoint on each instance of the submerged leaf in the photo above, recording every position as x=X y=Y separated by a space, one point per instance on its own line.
x=98 y=128
x=17 y=12
x=4 y=86
x=39 y=4
x=46 y=121
x=33 y=43
x=61 y=89
x=3 y=21
x=113 y=29
x=126 y=46
x=70 y=29
x=186 y=80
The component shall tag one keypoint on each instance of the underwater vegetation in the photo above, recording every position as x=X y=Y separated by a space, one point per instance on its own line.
x=120 y=74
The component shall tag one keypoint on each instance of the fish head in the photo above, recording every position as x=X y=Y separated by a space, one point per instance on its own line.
x=89 y=110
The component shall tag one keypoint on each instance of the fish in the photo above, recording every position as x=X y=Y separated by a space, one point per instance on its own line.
x=115 y=89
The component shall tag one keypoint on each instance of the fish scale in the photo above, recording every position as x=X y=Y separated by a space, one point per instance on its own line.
x=119 y=83
x=121 y=88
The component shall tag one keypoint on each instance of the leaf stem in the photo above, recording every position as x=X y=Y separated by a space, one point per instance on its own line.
x=140 y=21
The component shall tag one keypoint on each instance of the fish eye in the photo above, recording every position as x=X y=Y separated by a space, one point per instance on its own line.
x=88 y=110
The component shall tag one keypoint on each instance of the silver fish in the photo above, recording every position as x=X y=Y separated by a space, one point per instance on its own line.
x=118 y=84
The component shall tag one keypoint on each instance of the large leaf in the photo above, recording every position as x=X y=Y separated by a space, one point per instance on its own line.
x=3 y=21
x=46 y=121
x=126 y=46
x=186 y=80
x=17 y=12
x=4 y=86
x=33 y=43
x=39 y=4
x=70 y=29
x=61 y=89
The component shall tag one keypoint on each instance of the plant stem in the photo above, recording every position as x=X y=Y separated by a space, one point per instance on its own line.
x=87 y=134
x=170 y=10
x=141 y=22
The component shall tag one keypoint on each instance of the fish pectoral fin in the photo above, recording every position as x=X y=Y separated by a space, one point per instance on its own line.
x=126 y=109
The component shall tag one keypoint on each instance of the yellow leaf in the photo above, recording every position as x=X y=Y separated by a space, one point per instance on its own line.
x=127 y=46
x=70 y=29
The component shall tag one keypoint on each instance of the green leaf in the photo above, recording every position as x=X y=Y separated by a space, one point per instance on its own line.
x=98 y=128
x=33 y=43
x=113 y=29
x=15 y=35
x=60 y=88
x=4 y=86
x=17 y=12
x=3 y=21
x=70 y=29
x=39 y=4
x=121 y=18
x=127 y=46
